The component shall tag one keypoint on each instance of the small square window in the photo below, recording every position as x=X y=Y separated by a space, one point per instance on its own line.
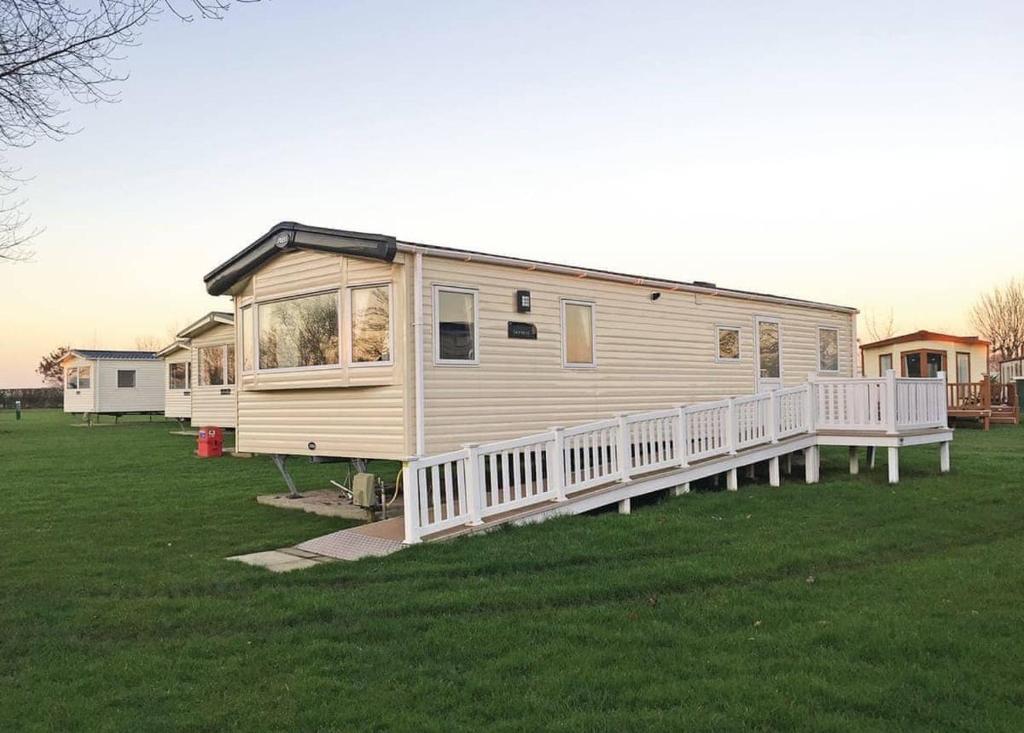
x=728 y=343
x=126 y=378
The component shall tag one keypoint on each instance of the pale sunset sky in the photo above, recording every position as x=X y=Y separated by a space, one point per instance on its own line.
x=868 y=154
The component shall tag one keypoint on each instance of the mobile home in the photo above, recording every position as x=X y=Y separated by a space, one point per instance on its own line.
x=212 y=369
x=177 y=359
x=361 y=345
x=1010 y=370
x=102 y=382
x=925 y=354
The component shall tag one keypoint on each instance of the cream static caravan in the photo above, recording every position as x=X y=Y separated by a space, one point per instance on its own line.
x=212 y=367
x=104 y=382
x=177 y=359
x=363 y=346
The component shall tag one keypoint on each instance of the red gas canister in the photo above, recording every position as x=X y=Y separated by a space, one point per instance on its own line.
x=210 y=442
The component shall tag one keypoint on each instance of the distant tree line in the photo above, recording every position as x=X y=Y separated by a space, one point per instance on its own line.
x=34 y=397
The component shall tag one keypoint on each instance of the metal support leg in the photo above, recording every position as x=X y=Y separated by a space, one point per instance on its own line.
x=732 y=480
x=681 y=489
x=752 y=471
x=854 y=460
x=789 y=464
x=944 y=457
x=625 y=506
x=279 y=461
x=894 y=465
x=773 y=472
x=872 y=452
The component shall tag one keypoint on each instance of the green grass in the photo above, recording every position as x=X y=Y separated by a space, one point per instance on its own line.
x=846 y=605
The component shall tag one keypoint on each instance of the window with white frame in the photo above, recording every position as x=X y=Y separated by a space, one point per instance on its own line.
x=177 y=375
x=456 y=331
x=84 y=377
x=728 y=348
x=245 y=334
x=216 y=365
x=370 y=309
x=299 y=332
x=828 y=349
x=884 y=363
x=71 y=378
x=577 y=333
x=126 y=379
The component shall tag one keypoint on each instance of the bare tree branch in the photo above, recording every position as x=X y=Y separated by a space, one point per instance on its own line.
x=880 y=328
x=51 y=53
x=999 y=317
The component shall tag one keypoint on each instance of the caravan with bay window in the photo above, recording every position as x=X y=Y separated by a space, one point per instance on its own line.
x=363 y=346
x=211 y=369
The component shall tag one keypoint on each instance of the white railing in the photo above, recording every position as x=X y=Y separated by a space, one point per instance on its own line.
x=467 y=486
x=889 y=404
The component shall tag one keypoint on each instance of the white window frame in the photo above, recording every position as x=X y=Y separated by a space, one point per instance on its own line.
x=296 y=296
x=821 y=367
x=593 y=334
x=92 y=373
x=188 y=372
x=438 y=361
x=251 y=307
x=67 y=378
x=135 y=378
x=719 y=359
x=391 y=326
x=223 y=362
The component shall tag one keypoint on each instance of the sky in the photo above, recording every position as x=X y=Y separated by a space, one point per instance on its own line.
x=868 y=154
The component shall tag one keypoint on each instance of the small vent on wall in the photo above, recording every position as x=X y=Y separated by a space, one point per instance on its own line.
x=704 y=284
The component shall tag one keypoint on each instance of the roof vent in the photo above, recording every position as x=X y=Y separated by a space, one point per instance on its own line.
x=705 y=284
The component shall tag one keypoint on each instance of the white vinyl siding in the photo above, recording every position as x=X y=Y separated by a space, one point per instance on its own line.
x=77 y=399
x=178 y=400
x=650 y=353
x=343 y=410
x=214 y=404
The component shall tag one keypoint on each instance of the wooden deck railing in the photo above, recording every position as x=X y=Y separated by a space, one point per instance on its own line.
x=983 y=395
x=467 y=486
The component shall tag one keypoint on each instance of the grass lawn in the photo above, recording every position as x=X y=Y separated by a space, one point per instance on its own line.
x=846 y=605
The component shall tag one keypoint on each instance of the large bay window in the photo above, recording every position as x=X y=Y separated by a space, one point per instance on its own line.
x=299 y=332
x=371 y=324
x=216 y=366
x=245 y=316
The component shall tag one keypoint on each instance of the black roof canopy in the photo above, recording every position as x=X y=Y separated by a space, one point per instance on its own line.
x=288 y=235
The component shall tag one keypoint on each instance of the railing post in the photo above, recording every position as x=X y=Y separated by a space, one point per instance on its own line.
x=475 y=499
x=411 y=501
x=731 y=426
x=890 y=400
x=625 y=450
x=809 y=407
x=986 y=392
x=681 y=436
x=941 y=420
x=773 y=416
x=556 y=462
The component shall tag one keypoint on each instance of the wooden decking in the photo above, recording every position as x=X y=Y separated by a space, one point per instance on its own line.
x=986 y=402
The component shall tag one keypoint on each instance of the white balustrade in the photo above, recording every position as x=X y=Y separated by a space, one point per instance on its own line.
x=468 y=486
